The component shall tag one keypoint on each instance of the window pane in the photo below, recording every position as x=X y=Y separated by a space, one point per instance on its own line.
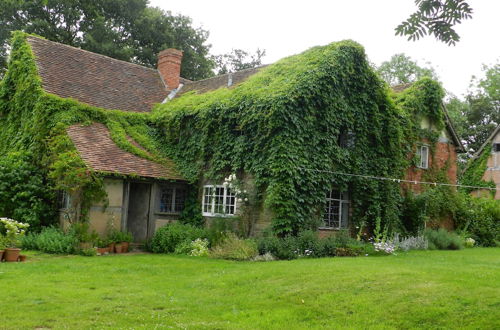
x=207 y=199
x=336 y=209
x=230 y=202
x=219 y=200
x=166 y=196
x=180 y=199
x=425 y=156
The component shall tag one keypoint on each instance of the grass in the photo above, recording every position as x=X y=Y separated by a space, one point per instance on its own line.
x=425 y=289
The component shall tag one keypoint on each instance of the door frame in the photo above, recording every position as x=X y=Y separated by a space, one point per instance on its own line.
x=126 y=203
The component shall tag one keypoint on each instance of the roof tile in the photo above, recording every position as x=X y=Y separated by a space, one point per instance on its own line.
x=96 y=79
x=100 y=153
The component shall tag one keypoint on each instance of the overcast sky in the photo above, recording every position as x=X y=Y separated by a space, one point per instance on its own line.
x=289 y=27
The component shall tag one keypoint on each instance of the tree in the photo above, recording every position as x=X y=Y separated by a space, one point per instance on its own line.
x=435 y=17
x=237 y=60
x=477 y=116
x=401 y=69
x=122 y=29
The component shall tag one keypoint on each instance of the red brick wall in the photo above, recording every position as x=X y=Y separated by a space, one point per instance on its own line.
x=444 y=152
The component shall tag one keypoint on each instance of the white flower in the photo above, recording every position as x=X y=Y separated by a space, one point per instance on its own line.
x=240 y=200
x=246 y=199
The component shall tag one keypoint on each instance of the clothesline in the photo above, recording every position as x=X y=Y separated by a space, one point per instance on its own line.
x=399 y=180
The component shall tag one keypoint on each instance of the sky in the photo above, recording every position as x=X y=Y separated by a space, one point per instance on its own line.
x=287 y=27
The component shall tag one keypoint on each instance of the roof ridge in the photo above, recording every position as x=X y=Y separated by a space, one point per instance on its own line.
x=227 y=74
x=93 y=53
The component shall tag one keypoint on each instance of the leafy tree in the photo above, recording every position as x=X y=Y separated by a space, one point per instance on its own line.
x=401 y=69
x=477 y=116
x=435 y=17
x=122 y=29
x=237 y=60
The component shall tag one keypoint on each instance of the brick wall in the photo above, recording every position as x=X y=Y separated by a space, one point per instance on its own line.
x=444 y=153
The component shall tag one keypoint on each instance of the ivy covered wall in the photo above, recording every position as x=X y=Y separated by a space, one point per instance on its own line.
x=283 y=127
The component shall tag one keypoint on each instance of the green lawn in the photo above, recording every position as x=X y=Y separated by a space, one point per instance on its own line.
x=425 y=289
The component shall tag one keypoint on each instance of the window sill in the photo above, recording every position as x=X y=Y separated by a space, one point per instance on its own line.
x=215 y=215
x=167 y=213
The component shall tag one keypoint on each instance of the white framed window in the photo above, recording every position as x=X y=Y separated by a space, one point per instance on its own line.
x=336 y=210
x=218 y=200
x=172 y=199
x=423 y=156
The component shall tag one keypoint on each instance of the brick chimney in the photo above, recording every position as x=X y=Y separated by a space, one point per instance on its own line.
x=169 y=66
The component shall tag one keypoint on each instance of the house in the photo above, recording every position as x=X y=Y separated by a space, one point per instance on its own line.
x=484 y=166
x=263 y=146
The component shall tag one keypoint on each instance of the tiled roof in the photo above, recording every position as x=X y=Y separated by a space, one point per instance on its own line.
x=96 y=79
x=225 y=80
x=100 y=153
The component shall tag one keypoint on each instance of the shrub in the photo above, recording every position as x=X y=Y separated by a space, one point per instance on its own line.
x=441 y=239
x=469 y=242
x=23 y=191
x=169 y=237
x=51 y=240
x=196 y=248
x=234 y=248
x=89 y=252
x=480 y=217
x=308 y=244
x=219 y=229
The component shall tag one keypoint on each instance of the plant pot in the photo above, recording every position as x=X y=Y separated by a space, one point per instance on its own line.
x=11 y=254
x=124 y=247
x=103 y=251
x=111 y=247
x=22 y=258
x=118 y=247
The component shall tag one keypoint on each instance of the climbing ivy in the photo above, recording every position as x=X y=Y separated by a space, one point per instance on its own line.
x=473 y=175
x=34 y=122
x=283 y=126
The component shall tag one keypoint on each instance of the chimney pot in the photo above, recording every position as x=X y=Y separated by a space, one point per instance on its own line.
x=169 y=66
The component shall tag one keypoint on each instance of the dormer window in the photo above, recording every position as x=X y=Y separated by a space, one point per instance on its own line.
x=423 y=156
x=496 y=147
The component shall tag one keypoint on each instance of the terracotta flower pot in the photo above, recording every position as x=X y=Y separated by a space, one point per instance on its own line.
x=22 y=258
x=124 y=247
x=1 y=255
x=118 y=247
x=11 y=254
x=111 y=247
x=103 y=251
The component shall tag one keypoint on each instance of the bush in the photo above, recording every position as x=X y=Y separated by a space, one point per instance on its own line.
x=480 y=217
x=441 y=239
x=282 y=248
x=24 y=194
x=308 y=244
x=234 y=248
x=50 y=240
x=169 y=237
x=219 y=229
